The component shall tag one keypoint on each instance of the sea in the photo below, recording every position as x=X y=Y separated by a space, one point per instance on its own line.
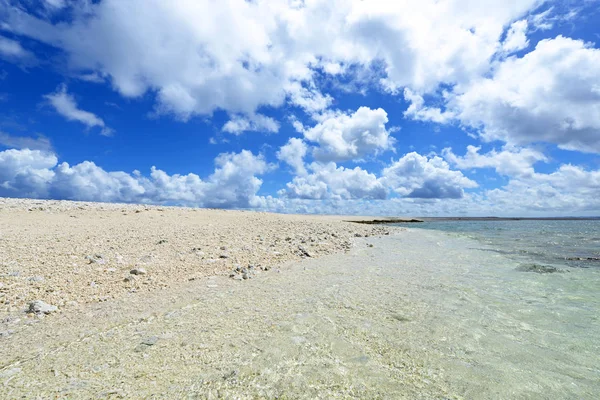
x=536 y=287
x=556 y=244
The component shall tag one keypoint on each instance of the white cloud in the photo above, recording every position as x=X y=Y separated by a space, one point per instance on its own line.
x=33 y=173
x=516 y=37
x=551 y=17
x=25 y=142
x=416 y=176
x=254 y=123
x=87 y=181
x=509 y=161
x=418 y=111
x=551 y=94
x=328 y=181
x=293 y=153
x=91 y=77
x=12 y=50
x=570 y=190
x=234 y=182
x=25 y=173
x=333 y=68
x=55 y=4
x=572 y=181
x=543 y=20
x=413 y=176
x=236 y=55
x=311 y=100
x=197 y=56
x=65 y=104
x=342 y=137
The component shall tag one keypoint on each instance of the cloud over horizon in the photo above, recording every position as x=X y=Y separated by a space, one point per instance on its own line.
x=435 y=107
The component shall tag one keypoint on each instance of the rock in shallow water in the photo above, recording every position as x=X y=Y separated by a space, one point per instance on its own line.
x=538 y=268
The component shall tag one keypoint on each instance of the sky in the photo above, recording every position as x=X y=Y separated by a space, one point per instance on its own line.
x=428 y=108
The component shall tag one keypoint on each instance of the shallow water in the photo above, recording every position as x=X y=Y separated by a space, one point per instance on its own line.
x=419 y=315
x=568 y=243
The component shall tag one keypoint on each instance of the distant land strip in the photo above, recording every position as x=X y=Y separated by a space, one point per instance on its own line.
x=395 y=220
x=433 y=219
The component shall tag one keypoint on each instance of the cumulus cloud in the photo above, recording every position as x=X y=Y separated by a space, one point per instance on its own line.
x=235 y=55
x=311 y=100
x=510 y=161
x=65 y=104
x=413 y=176
x=432 y=42
x=342 y=136
x=328 y=181
x=417 y=176
x=293 y=153
x=37 y=174
x=26 y=173
x=551 y=94
x=87 y=181
x=255 y=123
x=418 y=111
x=570 y=190
x=234 y=182
x=573 y=178
x=516 y=37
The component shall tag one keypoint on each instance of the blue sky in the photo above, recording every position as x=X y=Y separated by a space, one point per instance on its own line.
x=451 y=107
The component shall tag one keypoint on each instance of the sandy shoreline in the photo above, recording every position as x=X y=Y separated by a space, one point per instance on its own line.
x=72 y=253
x=415 y=314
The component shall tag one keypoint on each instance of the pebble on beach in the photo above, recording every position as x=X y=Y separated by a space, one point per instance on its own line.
x=39 y=307
x=138 y=271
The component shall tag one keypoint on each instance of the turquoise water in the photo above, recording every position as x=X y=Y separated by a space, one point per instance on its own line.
x=562 y=244
x=534 y=299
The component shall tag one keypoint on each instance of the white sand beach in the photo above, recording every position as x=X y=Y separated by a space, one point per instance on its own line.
x=68 y=254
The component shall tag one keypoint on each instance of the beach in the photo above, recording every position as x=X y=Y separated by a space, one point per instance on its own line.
x=69 y=254
x=413 y=314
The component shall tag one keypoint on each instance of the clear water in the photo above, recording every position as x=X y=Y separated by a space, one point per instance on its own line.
x=559 y=243
x=424 y=314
